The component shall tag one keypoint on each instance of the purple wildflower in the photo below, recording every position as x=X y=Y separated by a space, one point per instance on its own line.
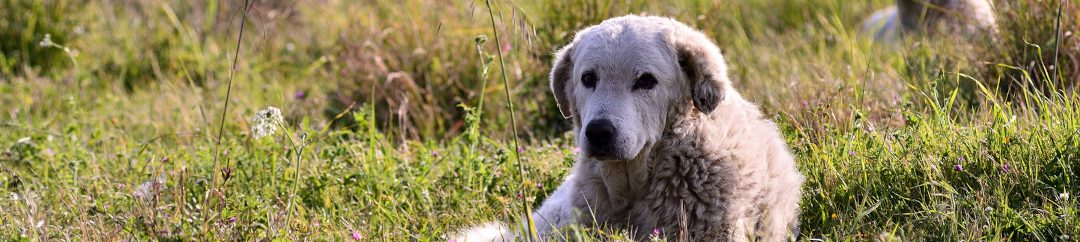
x=299 y=95
x=958 y=167
x=232 y=220
x=656 y=231
x=521 y=149
x=355 y=235
x=1005 y=167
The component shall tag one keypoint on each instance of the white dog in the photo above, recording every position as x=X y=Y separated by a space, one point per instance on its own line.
x=669 y=147
x=968 y=17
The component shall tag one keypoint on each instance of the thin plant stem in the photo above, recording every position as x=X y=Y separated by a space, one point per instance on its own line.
x=221 y=127
x=479 y=111
x=299 y=152
x=513 y=122
x=1057 y=44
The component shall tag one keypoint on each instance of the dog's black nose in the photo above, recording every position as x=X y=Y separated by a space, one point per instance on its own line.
x=600 y=132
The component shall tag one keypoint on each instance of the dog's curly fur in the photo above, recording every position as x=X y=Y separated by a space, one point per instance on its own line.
x=710 y=166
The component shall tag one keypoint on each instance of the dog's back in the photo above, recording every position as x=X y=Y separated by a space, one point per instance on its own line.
x=965 y=17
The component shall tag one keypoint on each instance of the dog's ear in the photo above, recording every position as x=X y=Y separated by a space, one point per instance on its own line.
x=561 y=73
x=704 y=67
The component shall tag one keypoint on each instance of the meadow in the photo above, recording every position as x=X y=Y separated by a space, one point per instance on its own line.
x=144 y=120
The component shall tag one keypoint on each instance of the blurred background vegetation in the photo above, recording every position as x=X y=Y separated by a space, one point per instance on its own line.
x=417 y=65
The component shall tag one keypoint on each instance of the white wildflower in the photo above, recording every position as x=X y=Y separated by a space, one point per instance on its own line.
x=266 y=122
x=47 y=41
x=1064 y=196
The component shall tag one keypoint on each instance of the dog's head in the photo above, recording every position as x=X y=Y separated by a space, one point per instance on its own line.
x=618 y=80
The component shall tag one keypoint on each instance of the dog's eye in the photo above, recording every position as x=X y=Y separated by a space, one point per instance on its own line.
x=645 y=81
x=588 y=79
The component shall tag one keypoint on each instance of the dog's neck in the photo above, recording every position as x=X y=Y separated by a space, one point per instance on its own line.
x=625 y=180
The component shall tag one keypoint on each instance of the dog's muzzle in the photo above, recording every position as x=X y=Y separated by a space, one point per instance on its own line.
x=601 y=134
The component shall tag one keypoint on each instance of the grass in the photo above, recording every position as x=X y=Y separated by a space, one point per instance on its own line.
x=385 y=137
